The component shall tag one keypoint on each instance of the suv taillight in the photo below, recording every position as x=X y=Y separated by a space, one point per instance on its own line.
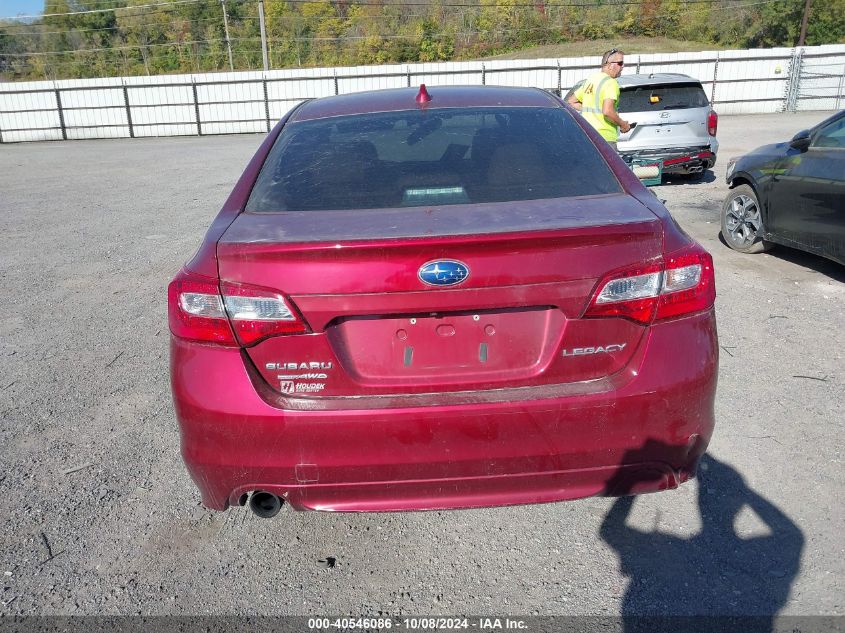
x=683 y=284
x=242 y=314
x=712 y=122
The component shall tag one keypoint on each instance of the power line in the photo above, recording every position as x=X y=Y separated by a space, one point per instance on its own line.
x=129 y=47
x=350 y=38
x=531 y=5
x=378 y=3
x=749 y=4
x=88 y=11
x=64 y=59
x=166 y=11
x=118 y=27
x=106 y=3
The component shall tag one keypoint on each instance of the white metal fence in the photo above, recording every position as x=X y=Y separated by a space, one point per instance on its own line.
x=737 y=82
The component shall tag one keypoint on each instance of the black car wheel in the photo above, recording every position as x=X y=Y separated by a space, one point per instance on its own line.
x=742 y=222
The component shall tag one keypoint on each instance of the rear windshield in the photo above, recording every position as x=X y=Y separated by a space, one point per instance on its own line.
x=430 y=158
x=669 y=97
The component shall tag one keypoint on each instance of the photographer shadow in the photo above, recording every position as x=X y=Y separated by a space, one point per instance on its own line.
x=743 y=581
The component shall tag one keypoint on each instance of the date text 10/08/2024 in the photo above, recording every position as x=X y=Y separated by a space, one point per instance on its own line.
x=416 y=624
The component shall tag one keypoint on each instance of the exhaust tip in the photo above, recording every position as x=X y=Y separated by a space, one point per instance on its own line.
x=265 y=504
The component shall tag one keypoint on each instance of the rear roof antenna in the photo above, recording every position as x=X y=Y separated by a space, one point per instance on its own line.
x=422 y=95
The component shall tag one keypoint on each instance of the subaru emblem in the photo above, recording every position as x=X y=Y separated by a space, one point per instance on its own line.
x=443 y=272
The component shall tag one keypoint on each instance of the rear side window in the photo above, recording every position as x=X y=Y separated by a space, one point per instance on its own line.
x=666 y=97
x=430 y=158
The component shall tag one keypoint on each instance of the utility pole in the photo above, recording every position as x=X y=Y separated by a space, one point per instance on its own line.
x=804 y=22
x=263 y=34
x=228 y=42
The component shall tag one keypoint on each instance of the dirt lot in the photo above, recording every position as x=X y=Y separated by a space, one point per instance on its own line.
x=101 y=517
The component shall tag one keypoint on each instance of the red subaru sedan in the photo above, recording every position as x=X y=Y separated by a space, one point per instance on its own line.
x=423 y=299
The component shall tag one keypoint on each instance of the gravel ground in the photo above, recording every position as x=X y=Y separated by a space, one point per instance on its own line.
x=102 y=518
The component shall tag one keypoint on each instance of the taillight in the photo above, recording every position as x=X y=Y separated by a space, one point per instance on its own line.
x=630 y=294
x=257 y=313
x=689 y=284
x=712 y=122
x=195 y=310
x=684 y=284
x=240 y=315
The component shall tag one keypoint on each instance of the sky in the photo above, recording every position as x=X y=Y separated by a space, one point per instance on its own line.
x=21 y=7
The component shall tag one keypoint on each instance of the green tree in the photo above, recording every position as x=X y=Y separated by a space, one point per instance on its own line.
x=13 y=50
x=323 y=27
x=286 y=29
x=779 y=24
x=143 y=36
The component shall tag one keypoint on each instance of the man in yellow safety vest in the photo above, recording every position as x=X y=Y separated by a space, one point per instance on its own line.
x=597 y=98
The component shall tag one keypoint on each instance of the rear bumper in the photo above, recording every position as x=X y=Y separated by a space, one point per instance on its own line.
x=677 y=160
x=643 y=431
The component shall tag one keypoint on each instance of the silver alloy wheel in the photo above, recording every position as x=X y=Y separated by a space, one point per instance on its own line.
x=742 y=220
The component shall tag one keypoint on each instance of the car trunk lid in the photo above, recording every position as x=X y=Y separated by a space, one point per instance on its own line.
x=377 y=328
x=667 y=116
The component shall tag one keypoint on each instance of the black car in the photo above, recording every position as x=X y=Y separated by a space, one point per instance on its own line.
x=790 y=193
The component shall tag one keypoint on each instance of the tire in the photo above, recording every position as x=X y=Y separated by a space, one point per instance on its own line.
x=742 y=222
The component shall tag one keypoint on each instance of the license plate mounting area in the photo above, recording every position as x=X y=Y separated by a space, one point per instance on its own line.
x=449 y=346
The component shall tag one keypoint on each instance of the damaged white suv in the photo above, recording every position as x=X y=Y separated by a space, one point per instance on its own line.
x=674 y=122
